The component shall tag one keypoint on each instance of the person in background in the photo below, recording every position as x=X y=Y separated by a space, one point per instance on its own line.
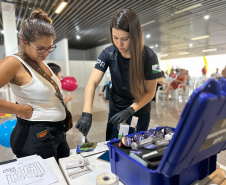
x=188 y=81
x=181 y=79
x=204 y=71
x=40 y=113
x=134 y=70
x=57 y=71
x=223 y=73
x=172 y=74
x=188 y=77
x=160 y=83
x=166 y=75
x=177 y=70
x=216 y=75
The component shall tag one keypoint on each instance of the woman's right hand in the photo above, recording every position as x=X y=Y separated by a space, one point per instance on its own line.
x=26 y=112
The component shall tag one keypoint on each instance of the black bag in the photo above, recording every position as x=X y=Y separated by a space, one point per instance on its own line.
x=68 y=123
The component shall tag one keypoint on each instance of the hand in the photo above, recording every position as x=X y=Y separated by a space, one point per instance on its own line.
x=26 y=112
x=84 y=123
x=68 y=98
x=122 y=116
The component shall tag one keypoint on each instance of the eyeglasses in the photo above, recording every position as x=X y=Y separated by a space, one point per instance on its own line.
x=160 y=133
x=43 y=50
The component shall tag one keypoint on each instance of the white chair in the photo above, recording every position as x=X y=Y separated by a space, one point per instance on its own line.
x=5 y=92
x=159 y=92
x=176 y=92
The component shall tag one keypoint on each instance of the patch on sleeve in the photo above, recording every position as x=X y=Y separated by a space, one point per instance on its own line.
x=101 y=63
x=155 y=69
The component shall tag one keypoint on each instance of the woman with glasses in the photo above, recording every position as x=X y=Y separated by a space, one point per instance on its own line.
x=40 y=113
x=134 y=72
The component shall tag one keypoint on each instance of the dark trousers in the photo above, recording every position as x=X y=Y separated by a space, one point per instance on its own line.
x=25 y=139
x=142 y=124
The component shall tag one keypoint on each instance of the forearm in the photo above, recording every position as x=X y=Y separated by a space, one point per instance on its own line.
x=147 y=97
x=9 y=108
x=88 y=97
x=160 y=82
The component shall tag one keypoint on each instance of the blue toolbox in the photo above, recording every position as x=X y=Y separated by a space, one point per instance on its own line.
x=192 y=152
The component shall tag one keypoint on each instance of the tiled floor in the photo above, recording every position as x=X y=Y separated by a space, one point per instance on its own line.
x=165 y=113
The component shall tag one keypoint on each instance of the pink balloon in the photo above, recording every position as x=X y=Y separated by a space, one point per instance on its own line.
x=69 y=83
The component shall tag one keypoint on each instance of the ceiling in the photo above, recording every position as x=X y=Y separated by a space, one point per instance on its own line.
x=172 y=23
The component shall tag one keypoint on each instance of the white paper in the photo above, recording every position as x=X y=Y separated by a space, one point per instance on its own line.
x=28 y=171
x=101 y=147
x=134 y=122
x=123 y=129
x=77 y=163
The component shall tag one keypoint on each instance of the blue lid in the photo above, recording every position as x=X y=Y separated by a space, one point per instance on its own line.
x=201 y=131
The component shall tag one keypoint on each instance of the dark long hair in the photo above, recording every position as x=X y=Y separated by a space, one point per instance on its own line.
x=37 y=25
x=127 y=20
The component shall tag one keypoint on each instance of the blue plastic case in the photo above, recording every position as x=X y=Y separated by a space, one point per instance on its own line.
x=192 y=152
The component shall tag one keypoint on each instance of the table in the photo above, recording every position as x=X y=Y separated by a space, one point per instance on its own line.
x=54 y=167
x=96 y=165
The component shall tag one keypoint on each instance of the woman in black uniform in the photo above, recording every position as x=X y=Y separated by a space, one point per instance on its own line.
x=134 y=71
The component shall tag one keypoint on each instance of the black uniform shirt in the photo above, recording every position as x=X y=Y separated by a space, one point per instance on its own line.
x=120 y=96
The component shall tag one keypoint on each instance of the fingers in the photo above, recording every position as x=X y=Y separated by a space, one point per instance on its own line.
x=85 y=131
x=112 y=118
x=115 y=119
x=82 y=127
x=19 y=116
x=77 y=125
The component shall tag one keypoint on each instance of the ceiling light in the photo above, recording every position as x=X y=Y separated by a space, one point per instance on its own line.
x=61 y=7
x=206 y=17
x=164 y=55
x=77 y=28
x=183 y=53
x=148 y=36
x=2 y=31
x=190 y=45
x=156 y=45
x=202 y=37
x=147 y=23
x=208 y=50
x=78 y=37
x=101 y=40
x=151 y=47
x=188 y=8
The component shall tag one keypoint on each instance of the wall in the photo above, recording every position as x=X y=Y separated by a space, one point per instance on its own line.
x=58 y=54
x=76 y=54
x=2 y=52
x=92 y=54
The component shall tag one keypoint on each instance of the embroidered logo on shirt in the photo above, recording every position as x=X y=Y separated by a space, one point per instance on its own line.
x=155 y=69
x=101 y=63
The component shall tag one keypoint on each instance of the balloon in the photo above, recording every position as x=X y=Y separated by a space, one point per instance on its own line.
x=69 y=83
x=6 y=129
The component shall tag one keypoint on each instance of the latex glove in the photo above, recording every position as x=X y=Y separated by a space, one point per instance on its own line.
x=122 y=116
x=84 y=123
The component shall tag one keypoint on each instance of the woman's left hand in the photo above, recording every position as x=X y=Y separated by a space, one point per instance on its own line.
x=122 y=116
x=26 y=112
